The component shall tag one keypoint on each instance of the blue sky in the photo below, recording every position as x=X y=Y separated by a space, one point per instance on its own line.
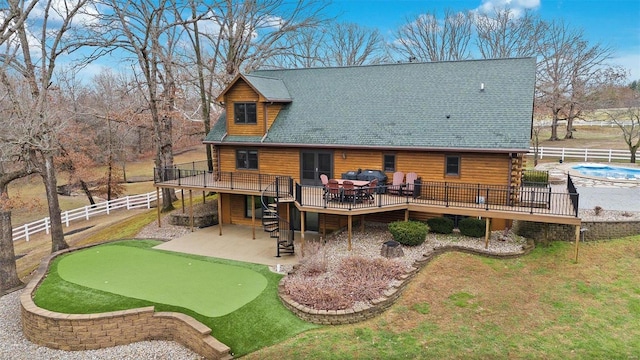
x=613 y=23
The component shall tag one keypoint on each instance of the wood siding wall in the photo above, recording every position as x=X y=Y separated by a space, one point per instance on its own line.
x=488 y=169
x=242 y=92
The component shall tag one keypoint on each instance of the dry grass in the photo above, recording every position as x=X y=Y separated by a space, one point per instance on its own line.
x=589 y=137
x=31 y=190
x=463 y=306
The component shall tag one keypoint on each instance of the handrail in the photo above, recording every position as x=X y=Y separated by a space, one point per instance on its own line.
x=280 y=187
x=128 y=202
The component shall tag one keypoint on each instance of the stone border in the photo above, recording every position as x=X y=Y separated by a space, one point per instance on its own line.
x=595 y=230
x=95 y=331
x=362 y=312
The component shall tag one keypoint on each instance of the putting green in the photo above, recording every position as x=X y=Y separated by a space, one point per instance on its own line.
x=207 y=288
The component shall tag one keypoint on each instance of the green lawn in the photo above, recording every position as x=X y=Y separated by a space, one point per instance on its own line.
x=208 y=288
x=260 y=322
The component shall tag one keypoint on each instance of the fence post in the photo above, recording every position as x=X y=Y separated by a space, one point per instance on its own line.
x=127 y=199
x=46 y=225
x=26 y=232
x=541 y=151
x=585 y=155
x=148 y=200
x=86 y=212
x=107 y=206
x=66 y=218
x=609 y=155
x=562 y=157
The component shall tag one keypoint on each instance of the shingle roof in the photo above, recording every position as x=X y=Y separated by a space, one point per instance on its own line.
x=271 y=88
x=437 y=105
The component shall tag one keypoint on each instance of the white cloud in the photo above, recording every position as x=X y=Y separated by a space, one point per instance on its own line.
x=516 y=6
x=630 y=62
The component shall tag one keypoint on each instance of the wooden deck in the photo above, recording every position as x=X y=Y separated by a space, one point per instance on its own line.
x=459 y=200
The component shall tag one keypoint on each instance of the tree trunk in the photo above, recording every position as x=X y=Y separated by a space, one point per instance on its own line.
x=85 y=188
x=8 y=274
x=633 y=155
x=50 y=182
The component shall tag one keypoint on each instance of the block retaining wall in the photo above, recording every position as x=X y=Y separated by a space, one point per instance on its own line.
x=95 y=331
x=594 y=230
x=378 y=306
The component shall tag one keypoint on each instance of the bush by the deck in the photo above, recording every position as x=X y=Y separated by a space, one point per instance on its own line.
x=472 y=227
x=440 y=225
x=409 y=233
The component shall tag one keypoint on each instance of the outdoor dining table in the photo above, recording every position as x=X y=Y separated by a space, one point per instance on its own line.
x=359 y=186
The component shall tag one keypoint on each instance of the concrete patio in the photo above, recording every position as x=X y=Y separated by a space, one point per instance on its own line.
x=235 y=243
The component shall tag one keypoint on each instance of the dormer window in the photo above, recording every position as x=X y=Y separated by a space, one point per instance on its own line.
x=245 y=113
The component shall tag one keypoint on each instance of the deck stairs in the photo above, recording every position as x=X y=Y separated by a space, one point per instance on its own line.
x=272 y=222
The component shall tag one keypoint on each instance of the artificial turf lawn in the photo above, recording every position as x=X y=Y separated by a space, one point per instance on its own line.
x=262 y=322
x=207 y=288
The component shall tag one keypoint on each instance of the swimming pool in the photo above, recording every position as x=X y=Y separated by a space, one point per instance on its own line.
x=608 y=171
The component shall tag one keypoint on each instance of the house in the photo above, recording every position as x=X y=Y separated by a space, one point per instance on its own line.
x=462 y=126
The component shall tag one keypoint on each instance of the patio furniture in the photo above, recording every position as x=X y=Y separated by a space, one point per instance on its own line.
x=398 y=181
x=409 y=186
x=333 y=190
x=367 y=193
x=348 y=191
x=325 y=180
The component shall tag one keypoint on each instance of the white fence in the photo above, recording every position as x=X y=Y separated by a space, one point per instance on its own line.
x=85 y=213
x=582 y=154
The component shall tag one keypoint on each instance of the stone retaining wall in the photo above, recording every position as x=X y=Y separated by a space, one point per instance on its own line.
x=595 y=230
x=378 y=306
x=96 y=331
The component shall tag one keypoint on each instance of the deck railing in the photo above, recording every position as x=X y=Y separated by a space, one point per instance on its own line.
x=529 y=199
x=539 y=199
x=184 y=176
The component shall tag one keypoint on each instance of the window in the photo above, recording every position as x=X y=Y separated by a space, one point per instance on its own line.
x=452 y=165
x=389 y=162
x=247 y=159
x=257 y=204
x=245 y=113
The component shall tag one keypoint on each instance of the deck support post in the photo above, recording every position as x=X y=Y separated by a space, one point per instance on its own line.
x=182 y=199
x=487 y=232
x=204 y=197
x=577 y=242
x=362 y=223
x=349 y=226
x=158 y=206
x=253 y=216
x=220 y=214
x=302 y=231
x=406 y=215
x=191 y=209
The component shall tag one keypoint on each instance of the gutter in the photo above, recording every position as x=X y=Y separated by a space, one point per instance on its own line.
x=360 y=147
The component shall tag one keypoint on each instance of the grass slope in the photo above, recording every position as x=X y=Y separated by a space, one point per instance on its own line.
x=261 y=322
x=542 y=306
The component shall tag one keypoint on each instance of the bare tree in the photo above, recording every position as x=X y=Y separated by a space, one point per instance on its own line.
x=566 y=66
x=254 y=31
x=307 y=49
x=350 y=44
x=41 y=43
x=427 y=38
x=504 y=34
x=622 y=106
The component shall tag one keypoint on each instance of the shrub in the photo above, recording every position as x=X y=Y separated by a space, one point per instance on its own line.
x=472 y=227
x=357 y=279
x=440 y=225
x=534 y=177
x=409 y=233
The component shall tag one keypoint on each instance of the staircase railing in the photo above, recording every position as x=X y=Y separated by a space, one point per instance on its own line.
x=272 y=222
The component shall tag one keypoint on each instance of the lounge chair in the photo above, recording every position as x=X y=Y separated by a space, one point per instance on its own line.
x=409 y=186
x=398 y=181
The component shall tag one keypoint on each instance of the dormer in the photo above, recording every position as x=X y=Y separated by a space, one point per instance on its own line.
x=252 y=103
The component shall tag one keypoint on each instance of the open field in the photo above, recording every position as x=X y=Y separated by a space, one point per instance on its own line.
x=541 y=306
x=31 y=191
x=586 y=137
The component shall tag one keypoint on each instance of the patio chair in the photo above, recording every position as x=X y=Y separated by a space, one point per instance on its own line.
x=398 y=181
x=333 y=190
x=367 y=192
x=325 y=180
x=409 y=186
x=348 y=191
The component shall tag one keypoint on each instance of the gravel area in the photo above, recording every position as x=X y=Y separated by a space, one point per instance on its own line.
x=13 y=344
x=369 y=243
